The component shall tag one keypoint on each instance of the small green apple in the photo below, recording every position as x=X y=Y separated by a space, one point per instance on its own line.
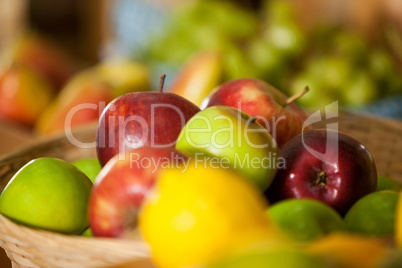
x=90 y=166
x=235 y=139
x=50 y=194
x=374 y=214
x=277 y=259
x=87 y=232
x=385 y=183
x=305 y=219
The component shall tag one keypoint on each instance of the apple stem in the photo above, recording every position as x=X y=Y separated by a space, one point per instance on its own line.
x=322 y=179
x=296 y=96
x=162 y=81
x=253 y=119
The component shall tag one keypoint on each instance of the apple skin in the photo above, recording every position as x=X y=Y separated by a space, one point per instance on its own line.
x=258 y=98
x=342 y=175
x=135 y=120
x=43 y=56
x=121 y=187
x=18 y=86
x=89 y=166
x=232 y=146
x=50 y=194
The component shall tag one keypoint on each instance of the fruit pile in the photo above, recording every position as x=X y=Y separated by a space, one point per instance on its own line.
x=269 y=44
x=242 y=183
x=65 y=96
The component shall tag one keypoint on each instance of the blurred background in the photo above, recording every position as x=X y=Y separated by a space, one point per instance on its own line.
x=54 y=57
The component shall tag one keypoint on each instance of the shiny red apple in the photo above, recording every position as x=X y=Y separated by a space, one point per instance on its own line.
x=122 y=185
x=138 y=119
x=273 y=109
x=325 y=165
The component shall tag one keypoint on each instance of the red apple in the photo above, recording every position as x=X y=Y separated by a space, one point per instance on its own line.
x=122 y=185
x=282 y=118
x=44 y=57
x=325 y=165
x=24 y=95
x=139 y=119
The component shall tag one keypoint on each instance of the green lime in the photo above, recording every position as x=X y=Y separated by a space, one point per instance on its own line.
x=374 y=214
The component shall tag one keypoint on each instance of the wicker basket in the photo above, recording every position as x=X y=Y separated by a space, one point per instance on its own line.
x=27 y=247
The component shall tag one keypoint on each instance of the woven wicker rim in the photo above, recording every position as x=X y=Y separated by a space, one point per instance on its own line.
x=37 y=248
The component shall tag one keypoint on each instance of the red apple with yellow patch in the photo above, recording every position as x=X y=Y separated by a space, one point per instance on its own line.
x=121 y=187
x=273 y=109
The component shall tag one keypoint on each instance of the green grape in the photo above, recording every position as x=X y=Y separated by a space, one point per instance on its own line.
x=277 y=11
x=264 y=55
x=203 y=25
x=352 y=46
x=360 y=90
x=237 y=65
x=332 y=71
x=286 y=38
x=317 y=97
x=230 y=19
x=380 y=63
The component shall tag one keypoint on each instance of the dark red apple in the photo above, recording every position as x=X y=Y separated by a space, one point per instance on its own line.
x=274 y=110
x=325 y=165
x=138 y=119
x=122 y=185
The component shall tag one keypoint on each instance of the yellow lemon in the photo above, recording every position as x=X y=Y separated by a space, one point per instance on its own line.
x=398 y=222
x=200 y=213
x=349 y=250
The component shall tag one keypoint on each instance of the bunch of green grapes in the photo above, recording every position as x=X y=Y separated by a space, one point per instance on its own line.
x=269 y=44
x=344 y=66
x=257 y=44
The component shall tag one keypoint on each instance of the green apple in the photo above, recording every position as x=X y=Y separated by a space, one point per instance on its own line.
x=305 y=219
x=385 y=183
x=374 y=214
x=277 y=259
x=89 y=166
x=87 y=232
x=235 y=139
x=50 y=194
